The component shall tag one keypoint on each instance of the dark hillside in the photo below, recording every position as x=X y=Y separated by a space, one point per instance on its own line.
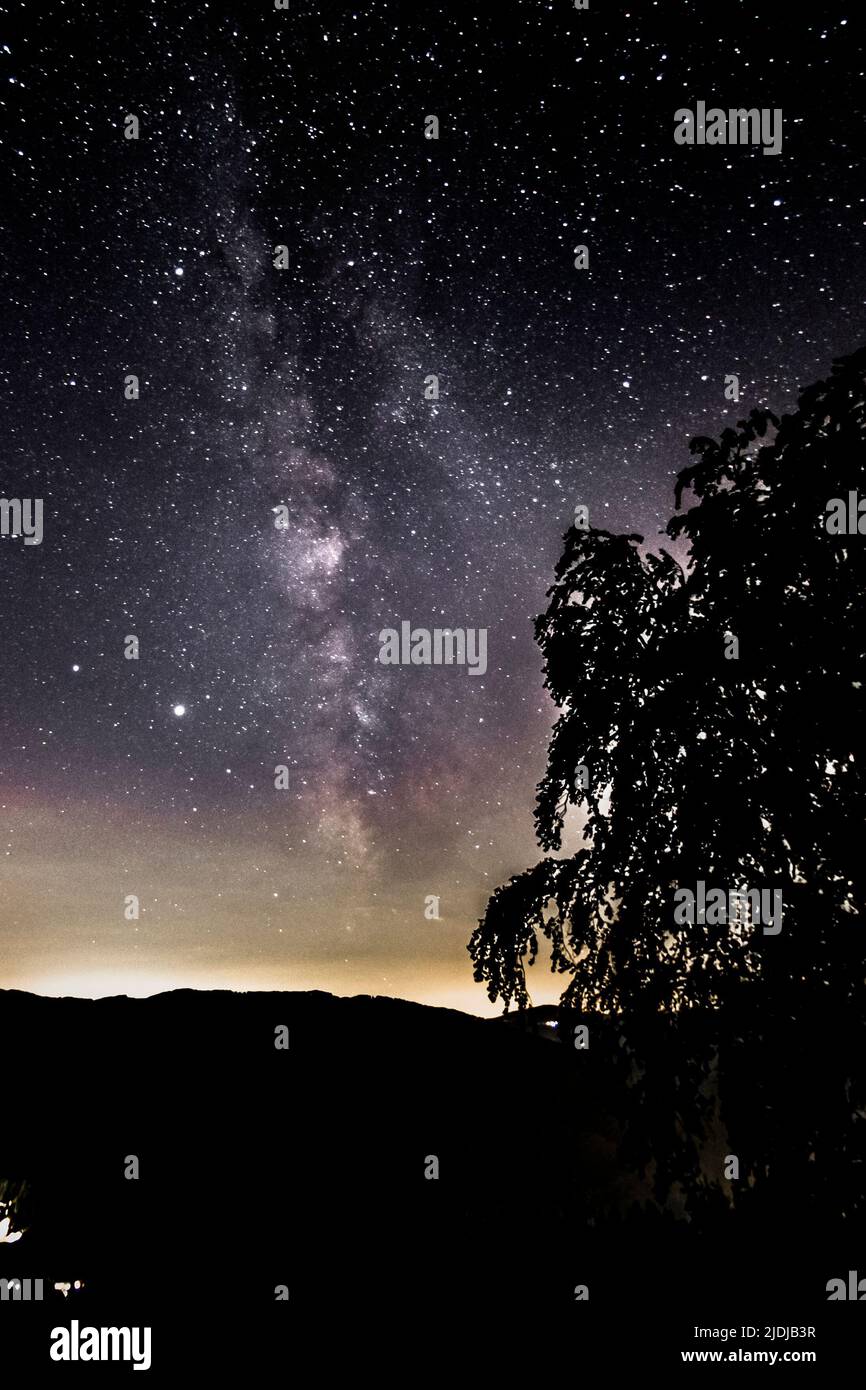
x=306 y=1167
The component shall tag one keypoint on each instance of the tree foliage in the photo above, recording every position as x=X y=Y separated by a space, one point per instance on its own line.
x=740 y=772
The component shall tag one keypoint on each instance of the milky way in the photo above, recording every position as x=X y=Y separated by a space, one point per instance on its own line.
x=286 y=485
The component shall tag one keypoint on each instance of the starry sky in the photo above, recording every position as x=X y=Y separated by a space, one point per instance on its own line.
x=304 y=388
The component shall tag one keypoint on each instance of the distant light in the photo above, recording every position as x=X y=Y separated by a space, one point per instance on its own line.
x=178 y=270
x=179 y=710
x=76 y=668
x=8 y=1236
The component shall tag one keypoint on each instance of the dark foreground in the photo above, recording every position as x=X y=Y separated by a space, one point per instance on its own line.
x=262 y=1168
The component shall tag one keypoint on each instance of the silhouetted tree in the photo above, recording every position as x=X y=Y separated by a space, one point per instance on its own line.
x=718 y=715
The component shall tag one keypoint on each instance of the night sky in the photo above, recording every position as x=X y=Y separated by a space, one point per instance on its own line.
x=305 y=388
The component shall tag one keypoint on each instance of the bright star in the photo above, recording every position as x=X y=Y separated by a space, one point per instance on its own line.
x=179 y=710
